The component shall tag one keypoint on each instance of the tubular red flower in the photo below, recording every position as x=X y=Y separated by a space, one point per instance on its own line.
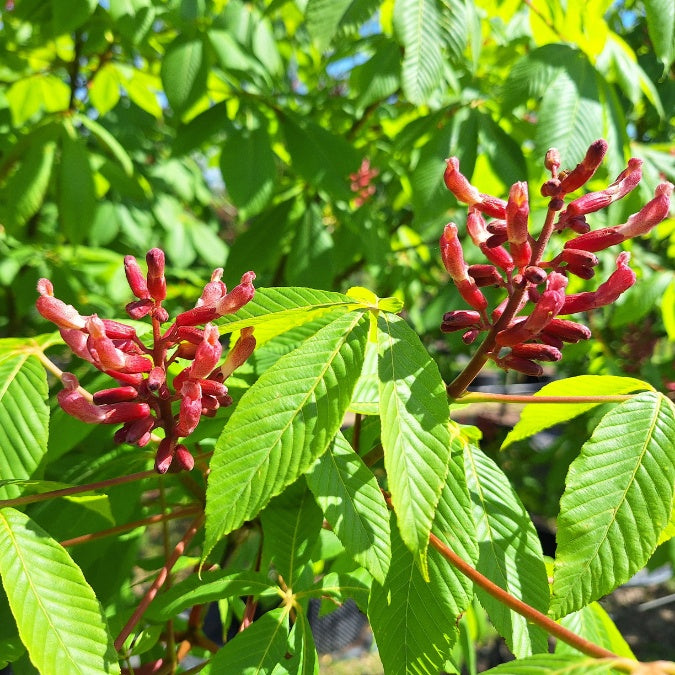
x=517 y=213
x=73 y=401
x=242 y=349
x=526 y=366
x=207 y=354
x=190 y=408
x=485 y=275
x=478 y=231
x=238 y=296
x=164 y=455
x=156 y=279
x=459 y=320
x=135 y=278
x=597 y=240
x=458 y=184
x=537 y=352
x=586 y=168
x=568 y=331
x=55 y=310
x=549 y=304
x=650 y=215
x=213 y=291
x=116 y=395
x=452 y=254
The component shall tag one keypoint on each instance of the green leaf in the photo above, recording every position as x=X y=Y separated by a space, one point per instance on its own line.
x=311 y=260
x=283 y=423
x=322 y=158
x=248 y=165
x=104 y=90
x=77 y=193
x=416 y=434
x=536 y=417
x=273 y=311
x=661 y=26
x=413 y=620
x=558 y=664
x=24 y=416
x=417 y=25
x=301 y=645
x=380 y=76
x=59 y=618
x=366 y=398
x=184 y=72
x=352 y=503
x=108 y=143
x=211 y=586
x=616 y=503
x=291 y=525
x=28 y=96
x=510 y=553
x=67 y=15
x=26 y=188
x=258 y=649
x=323 y=18
x=593 y=623
x=340 y=587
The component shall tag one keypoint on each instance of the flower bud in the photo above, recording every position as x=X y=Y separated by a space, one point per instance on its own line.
x=478 y=231
x=586 y=168
x=156 y=378
x=514 y=334
x=242 y=349
x=197 y=316
x=73 y=402
x=581 y=271
x=55 y=310
x=470 y=336
x=124 y=412
x=650 y=215
x=183 y=458
x=517 y=213
x=568 y=331
x=213 y=388
x=552 y=160
x=485 y=275
x=238 y=296
x=458 y=184
x=135 y=278
x=139 y=308
x=459 y=320
x=597 y=240
x=535 y=275
x=575 y=256
x=521 y=365
x=214 y=290
x=116 y=395
x=102 y=348
x=551 y=188
x=452 y=254
x=190 y=408
x=537 y=352
x=118 y=331
x=164 y=455
x=136 y=432
x=207 y=354
x=156 y=279
x=549 y=304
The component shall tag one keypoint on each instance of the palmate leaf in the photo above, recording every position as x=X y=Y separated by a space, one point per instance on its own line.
x=275 y=310
x=536 y=417
x=510 y=553
x=417 y=25
x=305 y=660
x=340 y=587
x=617 y=501
x=24 y=415
x=257 y=650
x=59 y=618
x=416 y=434
x=558 y=664
x=283 y=423
x=352 y=503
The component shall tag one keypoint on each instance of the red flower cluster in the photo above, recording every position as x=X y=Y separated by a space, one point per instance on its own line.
x=361 y=182
x=143 y=400
x=534 y=287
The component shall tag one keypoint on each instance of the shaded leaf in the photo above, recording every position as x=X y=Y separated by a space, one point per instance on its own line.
x=283 y=423
x=510 y=553
x=416 y=433
x=536 y=417
x=558 y=664
x=305 y=660
x=184 y=72
x=352 y=503
x=661 y=26
x=59 y=618
x=617 y=501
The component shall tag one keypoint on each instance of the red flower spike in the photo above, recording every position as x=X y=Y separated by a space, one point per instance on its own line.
x=586 y=168
x=118 y=331
x=156 y=279
x=135 y=278
x=536 y=352
x=238 y=296
x=207 y=354
x=549 y=304
x=478 y=231
x=535 y=275
x=116 y=395
x=650 y=215
x=213 y=291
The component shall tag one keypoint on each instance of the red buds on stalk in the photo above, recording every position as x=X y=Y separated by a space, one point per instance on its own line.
x=143 y=400
x=522 y=340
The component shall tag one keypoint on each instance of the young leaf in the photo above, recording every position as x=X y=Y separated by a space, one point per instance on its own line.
x=593 y=623
x=291 y=525
x=558 y=664
x=275 y=310
x=413 y=620
x=417 y=25
x=352 y=503
x=616 y=503
x=539 y=416
x=283 y=423
x=184 y=72
x=24 y=416
x=258 y=649
x=510 y=553
x=59 y=618
x=416 y=434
